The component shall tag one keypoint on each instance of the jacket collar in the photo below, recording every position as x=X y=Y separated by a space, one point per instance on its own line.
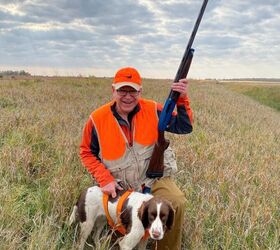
x=130 y=115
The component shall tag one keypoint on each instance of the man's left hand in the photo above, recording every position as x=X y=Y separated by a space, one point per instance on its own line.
x=181 y=87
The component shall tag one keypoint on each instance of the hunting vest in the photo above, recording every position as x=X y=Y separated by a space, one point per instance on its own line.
x=126 y=162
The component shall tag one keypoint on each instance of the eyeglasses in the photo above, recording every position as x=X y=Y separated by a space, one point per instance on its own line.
x=122 y=92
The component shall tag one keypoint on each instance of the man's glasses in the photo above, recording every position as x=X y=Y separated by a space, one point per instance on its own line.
x=122 y=92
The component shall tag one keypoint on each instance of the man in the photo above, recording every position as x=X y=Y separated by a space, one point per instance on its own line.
x=118 y=141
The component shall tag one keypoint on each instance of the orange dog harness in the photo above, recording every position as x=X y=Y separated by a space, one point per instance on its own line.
x=119 y=226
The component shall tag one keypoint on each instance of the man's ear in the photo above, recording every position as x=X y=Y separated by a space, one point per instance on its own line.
x=114 y=93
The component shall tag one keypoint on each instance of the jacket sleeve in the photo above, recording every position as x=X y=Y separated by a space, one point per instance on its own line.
x=89 y=153
x=181 y=121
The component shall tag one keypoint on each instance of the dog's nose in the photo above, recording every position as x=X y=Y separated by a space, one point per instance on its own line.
x=155 y=234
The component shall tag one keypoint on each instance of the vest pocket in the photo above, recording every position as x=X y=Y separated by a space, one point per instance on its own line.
x=144 y=157
x=170 y=165
x=146 y=153
x=127 y=173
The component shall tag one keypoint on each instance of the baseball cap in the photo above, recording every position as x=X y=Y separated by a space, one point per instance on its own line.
x=127 y=77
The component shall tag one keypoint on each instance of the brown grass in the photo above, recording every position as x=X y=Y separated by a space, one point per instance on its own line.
x=228 y=167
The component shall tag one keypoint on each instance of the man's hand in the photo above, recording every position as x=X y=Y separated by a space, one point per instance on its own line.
x=110 y=189
x=181 y=87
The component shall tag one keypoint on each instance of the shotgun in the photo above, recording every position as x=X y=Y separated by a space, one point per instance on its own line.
x=156 y=164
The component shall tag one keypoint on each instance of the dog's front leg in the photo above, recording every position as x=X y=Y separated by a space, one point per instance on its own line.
x=86 y=228
x=130 y=240
x=142 y=244
x=100 y=223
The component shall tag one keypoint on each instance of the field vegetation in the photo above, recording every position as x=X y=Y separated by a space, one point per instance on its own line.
x=265 y=93
x=229 y=167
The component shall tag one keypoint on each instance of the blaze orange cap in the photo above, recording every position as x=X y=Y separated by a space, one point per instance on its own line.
x=127 y=77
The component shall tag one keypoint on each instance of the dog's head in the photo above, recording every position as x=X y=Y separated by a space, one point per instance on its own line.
x=157 y=215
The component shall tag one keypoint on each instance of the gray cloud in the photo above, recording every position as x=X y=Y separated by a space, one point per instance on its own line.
x=144 y=33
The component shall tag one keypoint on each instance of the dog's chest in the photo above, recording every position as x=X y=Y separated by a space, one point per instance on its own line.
x=112 y=208
x=130 y=206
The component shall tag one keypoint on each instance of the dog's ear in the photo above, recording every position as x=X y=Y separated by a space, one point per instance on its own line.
x=171 y=214
x=143 y=214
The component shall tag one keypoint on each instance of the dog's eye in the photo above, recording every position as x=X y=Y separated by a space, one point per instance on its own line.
x=163 y=217
x=152 y=216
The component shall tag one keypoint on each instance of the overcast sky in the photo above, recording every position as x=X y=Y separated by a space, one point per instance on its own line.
x=236 y=38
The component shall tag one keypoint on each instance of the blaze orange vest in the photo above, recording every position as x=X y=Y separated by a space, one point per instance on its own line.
x=112 y=141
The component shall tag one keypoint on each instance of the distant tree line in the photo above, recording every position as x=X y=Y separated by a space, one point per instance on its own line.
x=14 y=73
x=254 y=79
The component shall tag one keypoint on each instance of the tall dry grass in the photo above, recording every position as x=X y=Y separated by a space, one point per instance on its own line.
x=228 y=167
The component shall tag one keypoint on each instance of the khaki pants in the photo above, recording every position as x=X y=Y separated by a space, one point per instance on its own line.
x=166 y=188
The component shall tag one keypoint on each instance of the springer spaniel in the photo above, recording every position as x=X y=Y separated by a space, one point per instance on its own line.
x=140 y=213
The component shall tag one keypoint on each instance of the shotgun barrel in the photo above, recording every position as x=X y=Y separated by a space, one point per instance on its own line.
x=182 y=72
x=156 y=164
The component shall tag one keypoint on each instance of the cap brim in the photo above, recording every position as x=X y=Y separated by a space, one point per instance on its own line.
x=130 y=84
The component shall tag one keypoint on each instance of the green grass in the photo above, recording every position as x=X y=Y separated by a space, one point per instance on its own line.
x=267 y=95
x=228 y=168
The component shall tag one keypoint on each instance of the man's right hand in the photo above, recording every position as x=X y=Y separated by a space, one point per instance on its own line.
x=110 y=188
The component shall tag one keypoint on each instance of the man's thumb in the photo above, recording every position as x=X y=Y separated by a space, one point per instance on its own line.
x=114 y=194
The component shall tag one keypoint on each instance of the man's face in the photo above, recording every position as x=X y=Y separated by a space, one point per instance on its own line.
x=126 y=99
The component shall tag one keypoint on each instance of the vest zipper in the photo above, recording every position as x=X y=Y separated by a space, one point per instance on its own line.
x=132 y=148
x=131 y=133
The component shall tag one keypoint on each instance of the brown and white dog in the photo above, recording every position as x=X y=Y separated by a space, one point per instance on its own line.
x=140 y=213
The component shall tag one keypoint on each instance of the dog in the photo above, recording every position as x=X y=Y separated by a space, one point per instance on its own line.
x=140 y=213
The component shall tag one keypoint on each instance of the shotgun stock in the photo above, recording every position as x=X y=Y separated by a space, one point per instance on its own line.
x=156 y=164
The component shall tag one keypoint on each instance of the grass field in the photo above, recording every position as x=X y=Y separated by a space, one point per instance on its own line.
x=229 y=167
x=265 y=93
